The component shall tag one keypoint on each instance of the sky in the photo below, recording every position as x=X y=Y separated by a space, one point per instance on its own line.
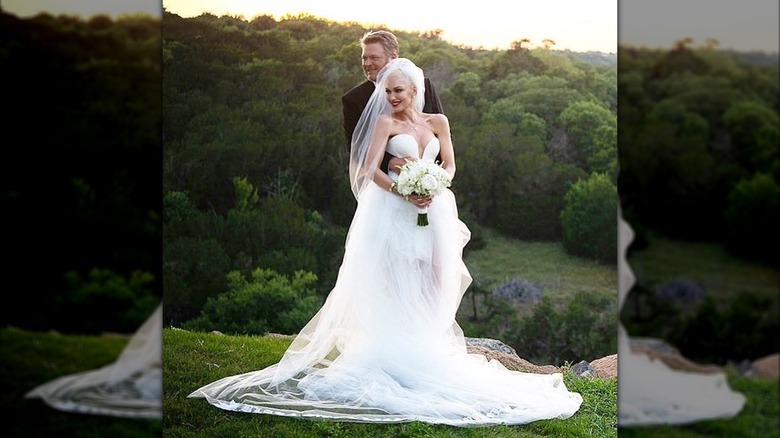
x=743 y=25
x=492 y=24
x=84 y=8
x=578 y=25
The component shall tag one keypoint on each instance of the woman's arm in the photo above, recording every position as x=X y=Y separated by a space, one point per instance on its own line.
x=377 y=149
x=441 y=127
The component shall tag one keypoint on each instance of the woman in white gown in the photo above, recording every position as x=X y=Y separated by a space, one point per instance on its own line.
x=385 y=346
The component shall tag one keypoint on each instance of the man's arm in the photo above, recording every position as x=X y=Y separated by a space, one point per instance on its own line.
x=432 y=103
x=351 y=117
x=351 y=113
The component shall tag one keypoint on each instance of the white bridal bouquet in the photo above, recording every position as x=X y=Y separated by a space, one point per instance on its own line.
x=425 y=178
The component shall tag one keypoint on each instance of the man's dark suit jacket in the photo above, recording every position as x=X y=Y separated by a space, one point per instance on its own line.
x=354 y=101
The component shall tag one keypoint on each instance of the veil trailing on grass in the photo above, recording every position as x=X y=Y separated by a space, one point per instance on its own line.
x=129 y=387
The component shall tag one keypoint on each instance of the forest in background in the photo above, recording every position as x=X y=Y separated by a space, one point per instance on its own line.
x=255 y=183
x=81 y=175
x=699 y=181
x=84 y=187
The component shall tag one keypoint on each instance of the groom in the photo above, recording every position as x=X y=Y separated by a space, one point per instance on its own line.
x=379 y=48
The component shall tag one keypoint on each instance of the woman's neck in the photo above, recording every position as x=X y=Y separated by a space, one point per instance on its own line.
x=408 y=115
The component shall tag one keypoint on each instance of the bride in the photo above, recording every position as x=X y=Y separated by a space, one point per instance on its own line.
x=385 y=346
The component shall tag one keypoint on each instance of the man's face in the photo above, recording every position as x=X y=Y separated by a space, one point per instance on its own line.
x=374 y=58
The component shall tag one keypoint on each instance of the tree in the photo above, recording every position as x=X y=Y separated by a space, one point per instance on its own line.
x=752 y=216
x=582 y=121
x=755 y=132
x=589 y=219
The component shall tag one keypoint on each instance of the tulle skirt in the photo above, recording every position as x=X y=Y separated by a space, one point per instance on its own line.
x=385 y=346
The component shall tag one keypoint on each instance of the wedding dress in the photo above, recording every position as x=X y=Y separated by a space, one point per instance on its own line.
x=651 y=393
x=385 y=346
x=129 y=387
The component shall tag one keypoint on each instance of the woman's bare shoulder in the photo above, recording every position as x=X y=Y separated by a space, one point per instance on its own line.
x=437 y=122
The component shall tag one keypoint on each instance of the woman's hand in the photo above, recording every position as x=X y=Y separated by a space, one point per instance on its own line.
x=419 y=200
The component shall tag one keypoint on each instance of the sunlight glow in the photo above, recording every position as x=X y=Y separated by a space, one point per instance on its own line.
x=490 y=24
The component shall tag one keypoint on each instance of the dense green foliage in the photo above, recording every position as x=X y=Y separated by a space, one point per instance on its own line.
x=589 y=219
x=266 y=303
x=81 y=178
x=583 y=330
x=716 y=330
x=700 y=163
x=698 y=134
x=258 y=101
x=723 y=309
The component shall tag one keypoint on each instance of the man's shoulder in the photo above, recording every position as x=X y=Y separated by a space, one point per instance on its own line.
x=367 y=87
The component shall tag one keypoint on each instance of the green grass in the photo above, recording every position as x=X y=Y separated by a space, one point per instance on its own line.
x=758 y=418
x=29 y=358
x=559 y=274
x=192 y=359
x=708 y=264
x=545 y=263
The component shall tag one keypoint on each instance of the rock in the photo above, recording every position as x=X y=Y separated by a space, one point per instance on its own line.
x=583 y=369
x=278 y=336
x=491 y=344
x=767 y=367
x=746 y=369
x=506 y=355
x=657 y=349
x=512 y=362
x=606 y=367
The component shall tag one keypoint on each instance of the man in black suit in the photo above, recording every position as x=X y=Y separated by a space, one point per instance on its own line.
x=379 y=48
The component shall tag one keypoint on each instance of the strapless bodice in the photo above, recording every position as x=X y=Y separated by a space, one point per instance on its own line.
x=405 y=145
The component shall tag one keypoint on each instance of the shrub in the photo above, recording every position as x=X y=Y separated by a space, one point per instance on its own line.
x=585 y=330
x=589 y=219
x=104 y=300
x=520 y=290
x=268 y=302
x=682 y=290
x=752 y=216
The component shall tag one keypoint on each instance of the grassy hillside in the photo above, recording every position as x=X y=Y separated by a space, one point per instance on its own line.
x=559 y=274
x=662 y=259
x=192 y=359
x=546 y=263
x=28 y=359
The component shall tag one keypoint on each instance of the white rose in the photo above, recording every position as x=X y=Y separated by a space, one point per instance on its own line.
x=429 y=182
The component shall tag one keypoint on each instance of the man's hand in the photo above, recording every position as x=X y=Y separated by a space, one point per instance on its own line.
x=395 y=163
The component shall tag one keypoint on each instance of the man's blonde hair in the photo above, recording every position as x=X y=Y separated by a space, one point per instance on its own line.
x=386 y=39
